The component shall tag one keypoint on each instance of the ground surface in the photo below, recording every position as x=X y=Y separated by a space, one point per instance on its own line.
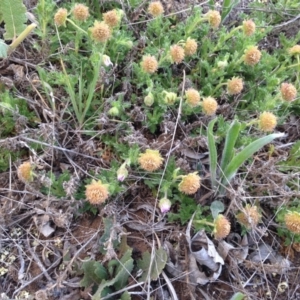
x=45 y=268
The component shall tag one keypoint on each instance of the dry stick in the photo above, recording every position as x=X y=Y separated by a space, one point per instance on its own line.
x=29 y=282
x=170 y=286
x=38 y=261
x=22 y=263
x=59 y=148
x=61 y=277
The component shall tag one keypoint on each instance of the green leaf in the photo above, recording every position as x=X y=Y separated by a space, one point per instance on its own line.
x=227 y=6
x=212 y=152
x=104 y=284
x=120 y=280
x=126 y=296
x=216 y=208
x=124 y=270
x=108 y=225
x=152 y=264
x=3 y=49
x=14 y=16
x=230 y=141
x=247 y=152
x=238 y=296
x=94 y=272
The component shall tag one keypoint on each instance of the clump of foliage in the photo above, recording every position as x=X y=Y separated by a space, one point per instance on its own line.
x=142 y=87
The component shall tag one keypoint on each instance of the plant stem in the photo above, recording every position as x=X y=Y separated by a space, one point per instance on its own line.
x=76 y=26
x=21 y=38
x=93 y=83
x=218 y=86
x=227 y=37
x=204 y=222
x=192 y=27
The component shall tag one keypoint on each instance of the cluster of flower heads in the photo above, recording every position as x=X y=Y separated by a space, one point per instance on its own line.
x=213 y=17
x=101 y=31
x=97 y=193
x=151 y=160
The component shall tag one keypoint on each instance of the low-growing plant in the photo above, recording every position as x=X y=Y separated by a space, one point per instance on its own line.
x=110 y=278
x=230 y=161
x=289 y=228
x=13 y=13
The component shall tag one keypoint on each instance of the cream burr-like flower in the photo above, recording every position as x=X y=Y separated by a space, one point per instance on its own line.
x=151 y=160
x=222 y=227
x=60 y=17
x=214 y=18
x=96 y=192
x=252 y=56
x=177 y=53
x=155 y=9
x=190 y=183
x=209 y=106
x=288 y=92
x=292 y=221
x=267 y=121
x=249 y=217
x=295 y=50
x=190 y=47
x=192 y=97
x=234 y=86
x=111 y=18
x=25 y=172
x=100 y=32
x=149 y=64
x=248 y=27
x=80 y=12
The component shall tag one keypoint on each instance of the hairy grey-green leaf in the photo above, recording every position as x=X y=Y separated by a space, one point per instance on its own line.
x=3 y=49
x=153 y=264
x=14 y=17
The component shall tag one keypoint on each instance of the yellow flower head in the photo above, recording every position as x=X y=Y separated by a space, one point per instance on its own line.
x=252 y=56
x=155 y=9
x=267 y=121
x=96 y=192
x=292 y=221
x=149 y=64
x=249 y=217
x=80 y=12
x=248 y=27
x=190 y=47
x=190 y=183
x=209 y=106
x=111 y=18
x=60 y=17
x=177 y=53
x=100 y=32
x=295 y=50
x=214 y=18
x=151 y=160
x=234 y=86
x=288 y=92
x=25 y=172
x=222 y=227
x=192 y=97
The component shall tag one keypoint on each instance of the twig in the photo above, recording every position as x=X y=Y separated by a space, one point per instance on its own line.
x=62 y=276
x=38 y=261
